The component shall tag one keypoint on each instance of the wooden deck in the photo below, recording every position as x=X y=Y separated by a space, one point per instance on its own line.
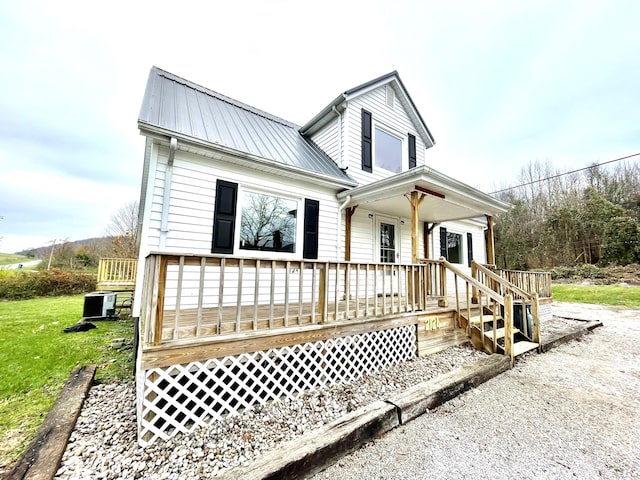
x=219 y=334
x=194 y=323
x=198 y=307
x=437 y=328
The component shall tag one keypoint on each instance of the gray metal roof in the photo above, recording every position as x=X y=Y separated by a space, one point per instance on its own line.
x=174 y=105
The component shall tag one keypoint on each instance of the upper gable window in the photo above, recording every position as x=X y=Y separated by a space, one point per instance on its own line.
x=388 y=151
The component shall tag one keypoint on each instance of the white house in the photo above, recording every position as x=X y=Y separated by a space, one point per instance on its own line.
x=213 y=164
x=263 y=241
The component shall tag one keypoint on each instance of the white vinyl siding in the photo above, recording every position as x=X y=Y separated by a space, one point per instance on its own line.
x=192 y=198
x=364 y=234
x=328 y=140
x=191 y=208
x=396 y=120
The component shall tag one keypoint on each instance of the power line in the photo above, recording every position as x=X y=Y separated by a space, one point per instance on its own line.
x=565 y=173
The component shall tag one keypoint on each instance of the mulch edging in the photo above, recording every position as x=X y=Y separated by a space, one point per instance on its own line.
x=42 y=458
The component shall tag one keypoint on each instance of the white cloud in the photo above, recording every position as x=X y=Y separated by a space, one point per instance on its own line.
x=499 y=83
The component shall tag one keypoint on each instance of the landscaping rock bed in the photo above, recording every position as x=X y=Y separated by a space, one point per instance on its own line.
x=104 y=446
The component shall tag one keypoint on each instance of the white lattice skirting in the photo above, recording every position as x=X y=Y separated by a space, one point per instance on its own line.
x=180 y=397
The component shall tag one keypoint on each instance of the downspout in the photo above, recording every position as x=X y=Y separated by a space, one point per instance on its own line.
x=340 y=156
x=166 y=194
x=340 y=210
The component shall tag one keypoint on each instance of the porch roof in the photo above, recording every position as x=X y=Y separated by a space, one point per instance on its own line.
x=445 y=198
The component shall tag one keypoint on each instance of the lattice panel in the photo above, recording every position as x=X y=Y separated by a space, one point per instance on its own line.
x=180 y=397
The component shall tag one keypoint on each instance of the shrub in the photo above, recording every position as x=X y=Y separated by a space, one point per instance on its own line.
x=577 y=272
x=19 y=285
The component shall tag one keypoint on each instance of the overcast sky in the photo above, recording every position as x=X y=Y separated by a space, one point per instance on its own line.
x=499 y=84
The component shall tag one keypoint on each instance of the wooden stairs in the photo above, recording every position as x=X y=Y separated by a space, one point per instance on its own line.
x=488 y=332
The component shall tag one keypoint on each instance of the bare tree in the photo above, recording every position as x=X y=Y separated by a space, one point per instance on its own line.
x=124 y=230
x=267 y=223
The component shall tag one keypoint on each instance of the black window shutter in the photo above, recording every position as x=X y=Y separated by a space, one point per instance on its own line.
x=366 y=141
x=443 y=242
x=310 y=241
x=412 y=151
x=469 y=248
x=224 y=217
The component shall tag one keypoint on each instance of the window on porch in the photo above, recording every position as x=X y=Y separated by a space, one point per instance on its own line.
x=267 y=223
x=451 y=246
x=454 y=247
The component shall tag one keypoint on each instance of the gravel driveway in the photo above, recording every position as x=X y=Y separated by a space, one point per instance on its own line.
x=573 y=412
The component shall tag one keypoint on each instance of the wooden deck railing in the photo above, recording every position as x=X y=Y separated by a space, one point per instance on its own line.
x=495 y=281
x=196 y=296
x=531 y=282
x=117 y=273
x=496 y=300
x=525 y=298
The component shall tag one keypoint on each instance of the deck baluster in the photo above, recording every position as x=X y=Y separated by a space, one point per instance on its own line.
x=176 y=321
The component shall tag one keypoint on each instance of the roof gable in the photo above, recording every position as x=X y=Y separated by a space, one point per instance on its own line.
x=174 y=106
x=321 y=119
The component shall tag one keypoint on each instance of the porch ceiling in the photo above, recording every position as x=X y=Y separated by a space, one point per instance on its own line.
x=445 y=198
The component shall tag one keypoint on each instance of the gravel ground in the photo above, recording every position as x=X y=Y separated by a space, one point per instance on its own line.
x=570 y=413
x=103 y=445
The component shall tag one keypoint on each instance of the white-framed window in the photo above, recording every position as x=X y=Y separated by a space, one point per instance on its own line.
x=268 y=223
x=455 y=251
x=388 y=150
x=451 y=246
x=257 y=222
x=385 y=148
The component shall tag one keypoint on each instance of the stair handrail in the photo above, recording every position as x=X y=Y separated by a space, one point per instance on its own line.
x=475 y=283
x=505 y=283
x=505 y=301
x=526 y=296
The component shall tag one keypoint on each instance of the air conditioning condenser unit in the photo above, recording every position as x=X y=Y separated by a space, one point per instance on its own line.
x=99 y=305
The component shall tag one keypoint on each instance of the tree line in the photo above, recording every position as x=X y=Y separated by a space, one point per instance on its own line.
x=586 y=217
x=120 y=241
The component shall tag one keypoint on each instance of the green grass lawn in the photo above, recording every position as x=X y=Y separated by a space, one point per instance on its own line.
x=11 y=258
x=600 y=294
x=36 y=359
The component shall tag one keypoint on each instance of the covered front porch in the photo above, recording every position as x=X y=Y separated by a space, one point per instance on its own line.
x=427 y=198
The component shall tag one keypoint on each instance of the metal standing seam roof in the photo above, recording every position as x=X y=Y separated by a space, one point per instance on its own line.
x=174 y=104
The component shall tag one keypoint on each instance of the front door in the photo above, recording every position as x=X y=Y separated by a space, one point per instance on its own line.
x=387 y=232
x=387 y=252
